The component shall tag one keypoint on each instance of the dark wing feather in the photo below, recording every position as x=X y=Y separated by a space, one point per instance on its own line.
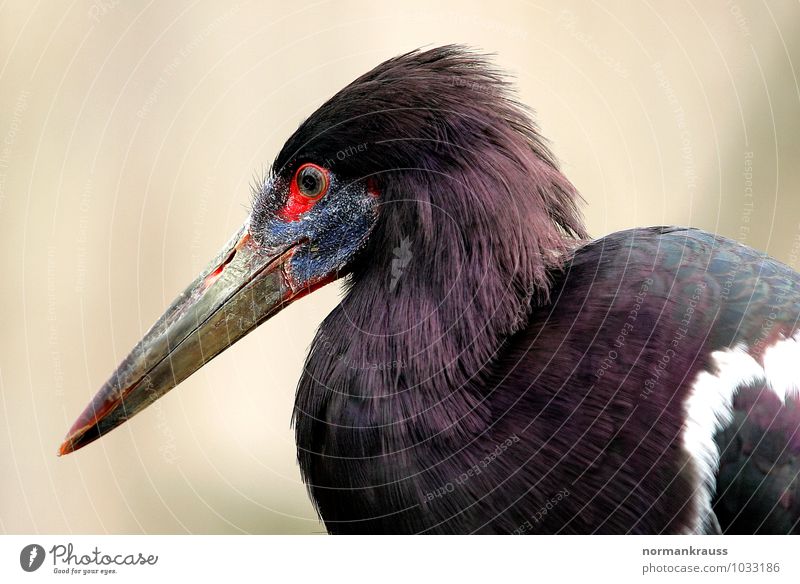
x=602 y=417
x=578 y=428
x=758 y=484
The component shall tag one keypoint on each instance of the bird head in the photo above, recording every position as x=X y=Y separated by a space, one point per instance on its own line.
x=427 y=144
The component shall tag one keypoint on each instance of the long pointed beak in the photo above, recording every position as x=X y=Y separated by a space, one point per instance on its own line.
x=240 y=289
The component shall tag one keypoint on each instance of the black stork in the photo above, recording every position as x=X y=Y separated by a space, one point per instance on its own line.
x=490 y=369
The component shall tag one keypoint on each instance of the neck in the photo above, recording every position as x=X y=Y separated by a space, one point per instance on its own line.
x=424 y=319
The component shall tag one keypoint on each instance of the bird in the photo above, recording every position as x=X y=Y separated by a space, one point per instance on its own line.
x=491 y=368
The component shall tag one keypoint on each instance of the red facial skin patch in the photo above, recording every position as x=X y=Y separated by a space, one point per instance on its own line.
x=372 y=188
x=298 y=203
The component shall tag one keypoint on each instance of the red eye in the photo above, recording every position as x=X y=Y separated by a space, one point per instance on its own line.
x=311 y=180
x=308 y=186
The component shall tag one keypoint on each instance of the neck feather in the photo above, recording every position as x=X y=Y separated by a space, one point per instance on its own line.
x=462 y=257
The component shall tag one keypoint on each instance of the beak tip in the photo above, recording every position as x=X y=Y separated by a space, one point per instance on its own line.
x=77 y=439
x=67 y=446
x=81 y=434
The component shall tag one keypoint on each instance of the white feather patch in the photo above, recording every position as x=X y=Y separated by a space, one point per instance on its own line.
x=709 y=405
x=709 y=408
x=782 y=367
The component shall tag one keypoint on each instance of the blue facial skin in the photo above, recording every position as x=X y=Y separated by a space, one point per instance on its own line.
x=330 y=233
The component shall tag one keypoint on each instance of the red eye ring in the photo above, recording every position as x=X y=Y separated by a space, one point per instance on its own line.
x=311 y=181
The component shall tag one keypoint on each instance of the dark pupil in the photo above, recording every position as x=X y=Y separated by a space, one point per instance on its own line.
x=309 y=181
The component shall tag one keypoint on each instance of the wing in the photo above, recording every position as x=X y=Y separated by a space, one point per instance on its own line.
x=758 y=483
x=621 y=385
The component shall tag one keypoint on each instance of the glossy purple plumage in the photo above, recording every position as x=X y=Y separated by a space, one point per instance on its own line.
x=488 y=370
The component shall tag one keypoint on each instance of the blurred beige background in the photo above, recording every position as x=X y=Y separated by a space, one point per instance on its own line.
x=129 y=134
